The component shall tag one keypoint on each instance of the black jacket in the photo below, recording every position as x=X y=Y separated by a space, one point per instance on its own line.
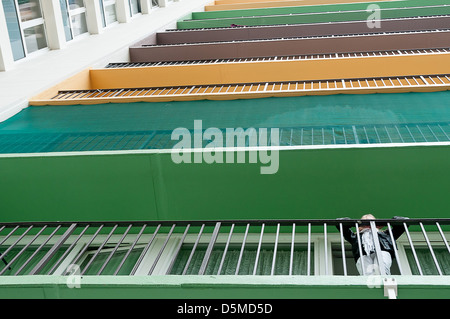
x=386 y=243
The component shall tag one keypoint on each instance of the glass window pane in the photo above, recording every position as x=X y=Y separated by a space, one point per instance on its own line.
x=247 y=263
x=155 y=3
x=75 y=4
x=12 y=23
x=79 y=25
x=27 y=259
x=135 y=6
x=102 y=10
x=426 y=261
x=29 y=9
x=65 y=17
x=110 y=14
x=113 y=263
x=35 y=38
x=350 y=264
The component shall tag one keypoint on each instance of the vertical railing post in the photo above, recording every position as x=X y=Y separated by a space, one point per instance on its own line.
x=114 y=250
x=344 y=264
x=98 y=250
x=41 y=264
x=291 y=260
x=161 y=250
x=5 y=253
x=377 y=248
x=308 y=258
x=186 y=267
x=175 y=255
x=413 y=250
x=431 y=249
x=255 y=267
x=144 y=252
x=225 y=249
x=242 y=250
x=209 y=249
x=129 y=250
x=67 y=251
x=37 y=250
x=8 y=265
x=272 y=271
x=325 y=239
x=358 y=236
x=443 y=236
x=395 y=249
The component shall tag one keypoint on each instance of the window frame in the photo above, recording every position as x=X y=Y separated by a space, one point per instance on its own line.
x=103 y=5
x=139 y=12
x=73 y=13
x=402 y=244
x=419 y=241
x=252 y=239
x=23 y=25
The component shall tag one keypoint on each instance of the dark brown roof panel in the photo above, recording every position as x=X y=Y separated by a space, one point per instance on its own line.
x=288 y=47
x=300 y=30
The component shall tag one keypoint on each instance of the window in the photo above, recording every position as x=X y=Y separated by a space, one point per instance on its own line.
x=108 y=10
x=25 y=25
x=155 y=3
x=22 y=259
x=74 y=18
x=338 y=262
x=426 y=261
x=135 y=7
x=246 y=264
x=101 y=264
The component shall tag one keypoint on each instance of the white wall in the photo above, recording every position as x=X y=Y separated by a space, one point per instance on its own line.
x=32 y=75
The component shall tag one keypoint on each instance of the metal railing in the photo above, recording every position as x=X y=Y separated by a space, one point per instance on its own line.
x=263 y=26
x=299 y=38
x=288 y=136
x=185 y=29
x=154 y=247
x=251 y=90
x=119 y=65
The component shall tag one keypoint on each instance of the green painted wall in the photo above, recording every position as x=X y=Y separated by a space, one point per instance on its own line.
x=313 y=9
x=327 y=183
x=312 y=18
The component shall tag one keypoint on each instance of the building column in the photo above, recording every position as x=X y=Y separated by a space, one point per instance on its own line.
x=162 y=3
x=56 y=38
x=123 y=11
x=93 y=16
x=6 y=56
x=146 y=6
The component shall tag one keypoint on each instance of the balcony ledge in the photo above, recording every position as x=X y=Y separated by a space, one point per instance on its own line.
x=211 y=287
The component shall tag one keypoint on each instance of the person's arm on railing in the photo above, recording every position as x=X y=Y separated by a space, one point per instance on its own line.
x=398 y=230
x=346 y=231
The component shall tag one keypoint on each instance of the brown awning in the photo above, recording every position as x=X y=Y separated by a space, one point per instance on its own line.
x=288 y=47
x=295 y=31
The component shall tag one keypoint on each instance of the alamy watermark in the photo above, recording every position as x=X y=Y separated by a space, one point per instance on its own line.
x=247 y=145
x=374 y=19
x=74 y=276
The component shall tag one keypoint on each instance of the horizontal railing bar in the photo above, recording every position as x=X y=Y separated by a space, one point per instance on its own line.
x=272 y=222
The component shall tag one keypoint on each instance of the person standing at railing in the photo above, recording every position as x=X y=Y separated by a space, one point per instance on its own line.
x=369 y=259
